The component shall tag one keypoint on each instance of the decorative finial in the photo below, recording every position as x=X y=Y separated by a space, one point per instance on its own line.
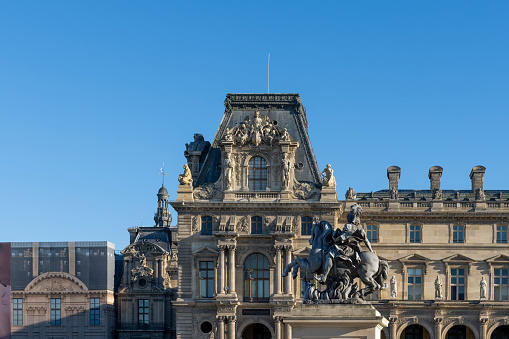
x=162 y=172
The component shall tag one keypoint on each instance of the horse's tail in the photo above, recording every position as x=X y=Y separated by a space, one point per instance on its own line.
x=382 y=274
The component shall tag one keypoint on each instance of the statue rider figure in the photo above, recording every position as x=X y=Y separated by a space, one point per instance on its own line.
x=345 y=244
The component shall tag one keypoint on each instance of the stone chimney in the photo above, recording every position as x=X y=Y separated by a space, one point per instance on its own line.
x=434 y=175
x=393 y=174
x=477 y=175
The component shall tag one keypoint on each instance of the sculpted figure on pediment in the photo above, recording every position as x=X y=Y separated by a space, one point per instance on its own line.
x=256 y=132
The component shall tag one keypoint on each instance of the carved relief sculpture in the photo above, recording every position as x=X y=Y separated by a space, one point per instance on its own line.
x=479 y=194
x=186 y=178
x=328 y=177
x=437 y=194
x=394 y=193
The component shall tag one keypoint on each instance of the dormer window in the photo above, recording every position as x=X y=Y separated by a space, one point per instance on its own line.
x=257 y=174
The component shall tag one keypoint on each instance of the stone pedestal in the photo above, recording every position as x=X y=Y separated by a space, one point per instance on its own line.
x=185 y=193
x=329 y=194
x=437 y=206
x=328 y=321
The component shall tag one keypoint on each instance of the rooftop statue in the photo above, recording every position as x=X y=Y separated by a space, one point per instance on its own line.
x=336 y=259
x=328 y=177
x=186 y=178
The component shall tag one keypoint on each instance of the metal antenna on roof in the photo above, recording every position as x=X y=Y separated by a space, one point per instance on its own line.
x=162 y=172
x=268 y=75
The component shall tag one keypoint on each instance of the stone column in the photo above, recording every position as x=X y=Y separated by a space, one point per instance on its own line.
x=277 y=323
x=288 y=279
x=277 y=282
x=221 y=269
x=156 y=270
x=484 y=327
x=392 y=327
x=438 y=328
x=231 y=326
x=288 y=331
x=231 y=268
x=220 y=327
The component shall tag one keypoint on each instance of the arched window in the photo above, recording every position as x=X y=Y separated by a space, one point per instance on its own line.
x=306 y=225
x=257 y=174
x=256 y=278
x=206 y=225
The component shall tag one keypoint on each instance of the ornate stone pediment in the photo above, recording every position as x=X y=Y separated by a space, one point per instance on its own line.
x=56 y=282
x=136 y=248
x=259 y=130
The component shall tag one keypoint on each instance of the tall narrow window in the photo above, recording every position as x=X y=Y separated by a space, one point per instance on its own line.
x=306 y=225
x=55 y=312
x=414 y=284
x=372 y=233
x=143 y=312
x=206 y=279
x=257 y=174
x=457 y=234
x=206 y=225
x=256 y=278
x=457 y=284
x=94 y=311
x=256 y=225
x=415 y=233
x=501 y=234
x=17 y=314
x=500 y=283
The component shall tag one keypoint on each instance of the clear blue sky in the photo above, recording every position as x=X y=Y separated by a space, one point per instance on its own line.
x=95 y=95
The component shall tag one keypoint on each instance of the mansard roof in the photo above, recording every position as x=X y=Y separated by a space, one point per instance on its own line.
x=159 y=236
x=284 y=110
x=426 y=195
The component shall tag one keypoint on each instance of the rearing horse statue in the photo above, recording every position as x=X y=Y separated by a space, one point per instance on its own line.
x=370 y=269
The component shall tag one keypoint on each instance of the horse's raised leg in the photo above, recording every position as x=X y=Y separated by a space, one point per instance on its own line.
x=289 y=267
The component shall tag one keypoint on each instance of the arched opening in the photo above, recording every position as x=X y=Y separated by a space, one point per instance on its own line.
x=256 y=278
x=501 y=332
x=382 y=335
x=460 y=332
x=256 y=331
x=415 y=331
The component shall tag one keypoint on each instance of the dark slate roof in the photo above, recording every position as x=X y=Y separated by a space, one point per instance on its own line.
x=159 y=236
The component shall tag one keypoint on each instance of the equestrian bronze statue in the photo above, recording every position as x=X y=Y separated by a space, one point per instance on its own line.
x=336 y=259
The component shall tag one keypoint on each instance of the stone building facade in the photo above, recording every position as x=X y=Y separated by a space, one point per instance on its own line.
x=246 y=205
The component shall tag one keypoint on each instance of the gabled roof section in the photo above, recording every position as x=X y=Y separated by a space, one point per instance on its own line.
x=205 y=251
x=413 y=257
x=284 y=110
x=159 y=236
x=501 y=258
x=458 y=258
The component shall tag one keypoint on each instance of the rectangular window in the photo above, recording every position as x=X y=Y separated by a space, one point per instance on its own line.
x=55 y=312
x=17 y=311
x=143 y=312
x=414 y=284
x=372 y=233
x=306 y=225
x=94 y=311
x=256 y=225
x=501 y=234
x=206 y=279
x=415 y=233
x=500 y=283
x=457 y=284
x=457 y=234
x=206 y=225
